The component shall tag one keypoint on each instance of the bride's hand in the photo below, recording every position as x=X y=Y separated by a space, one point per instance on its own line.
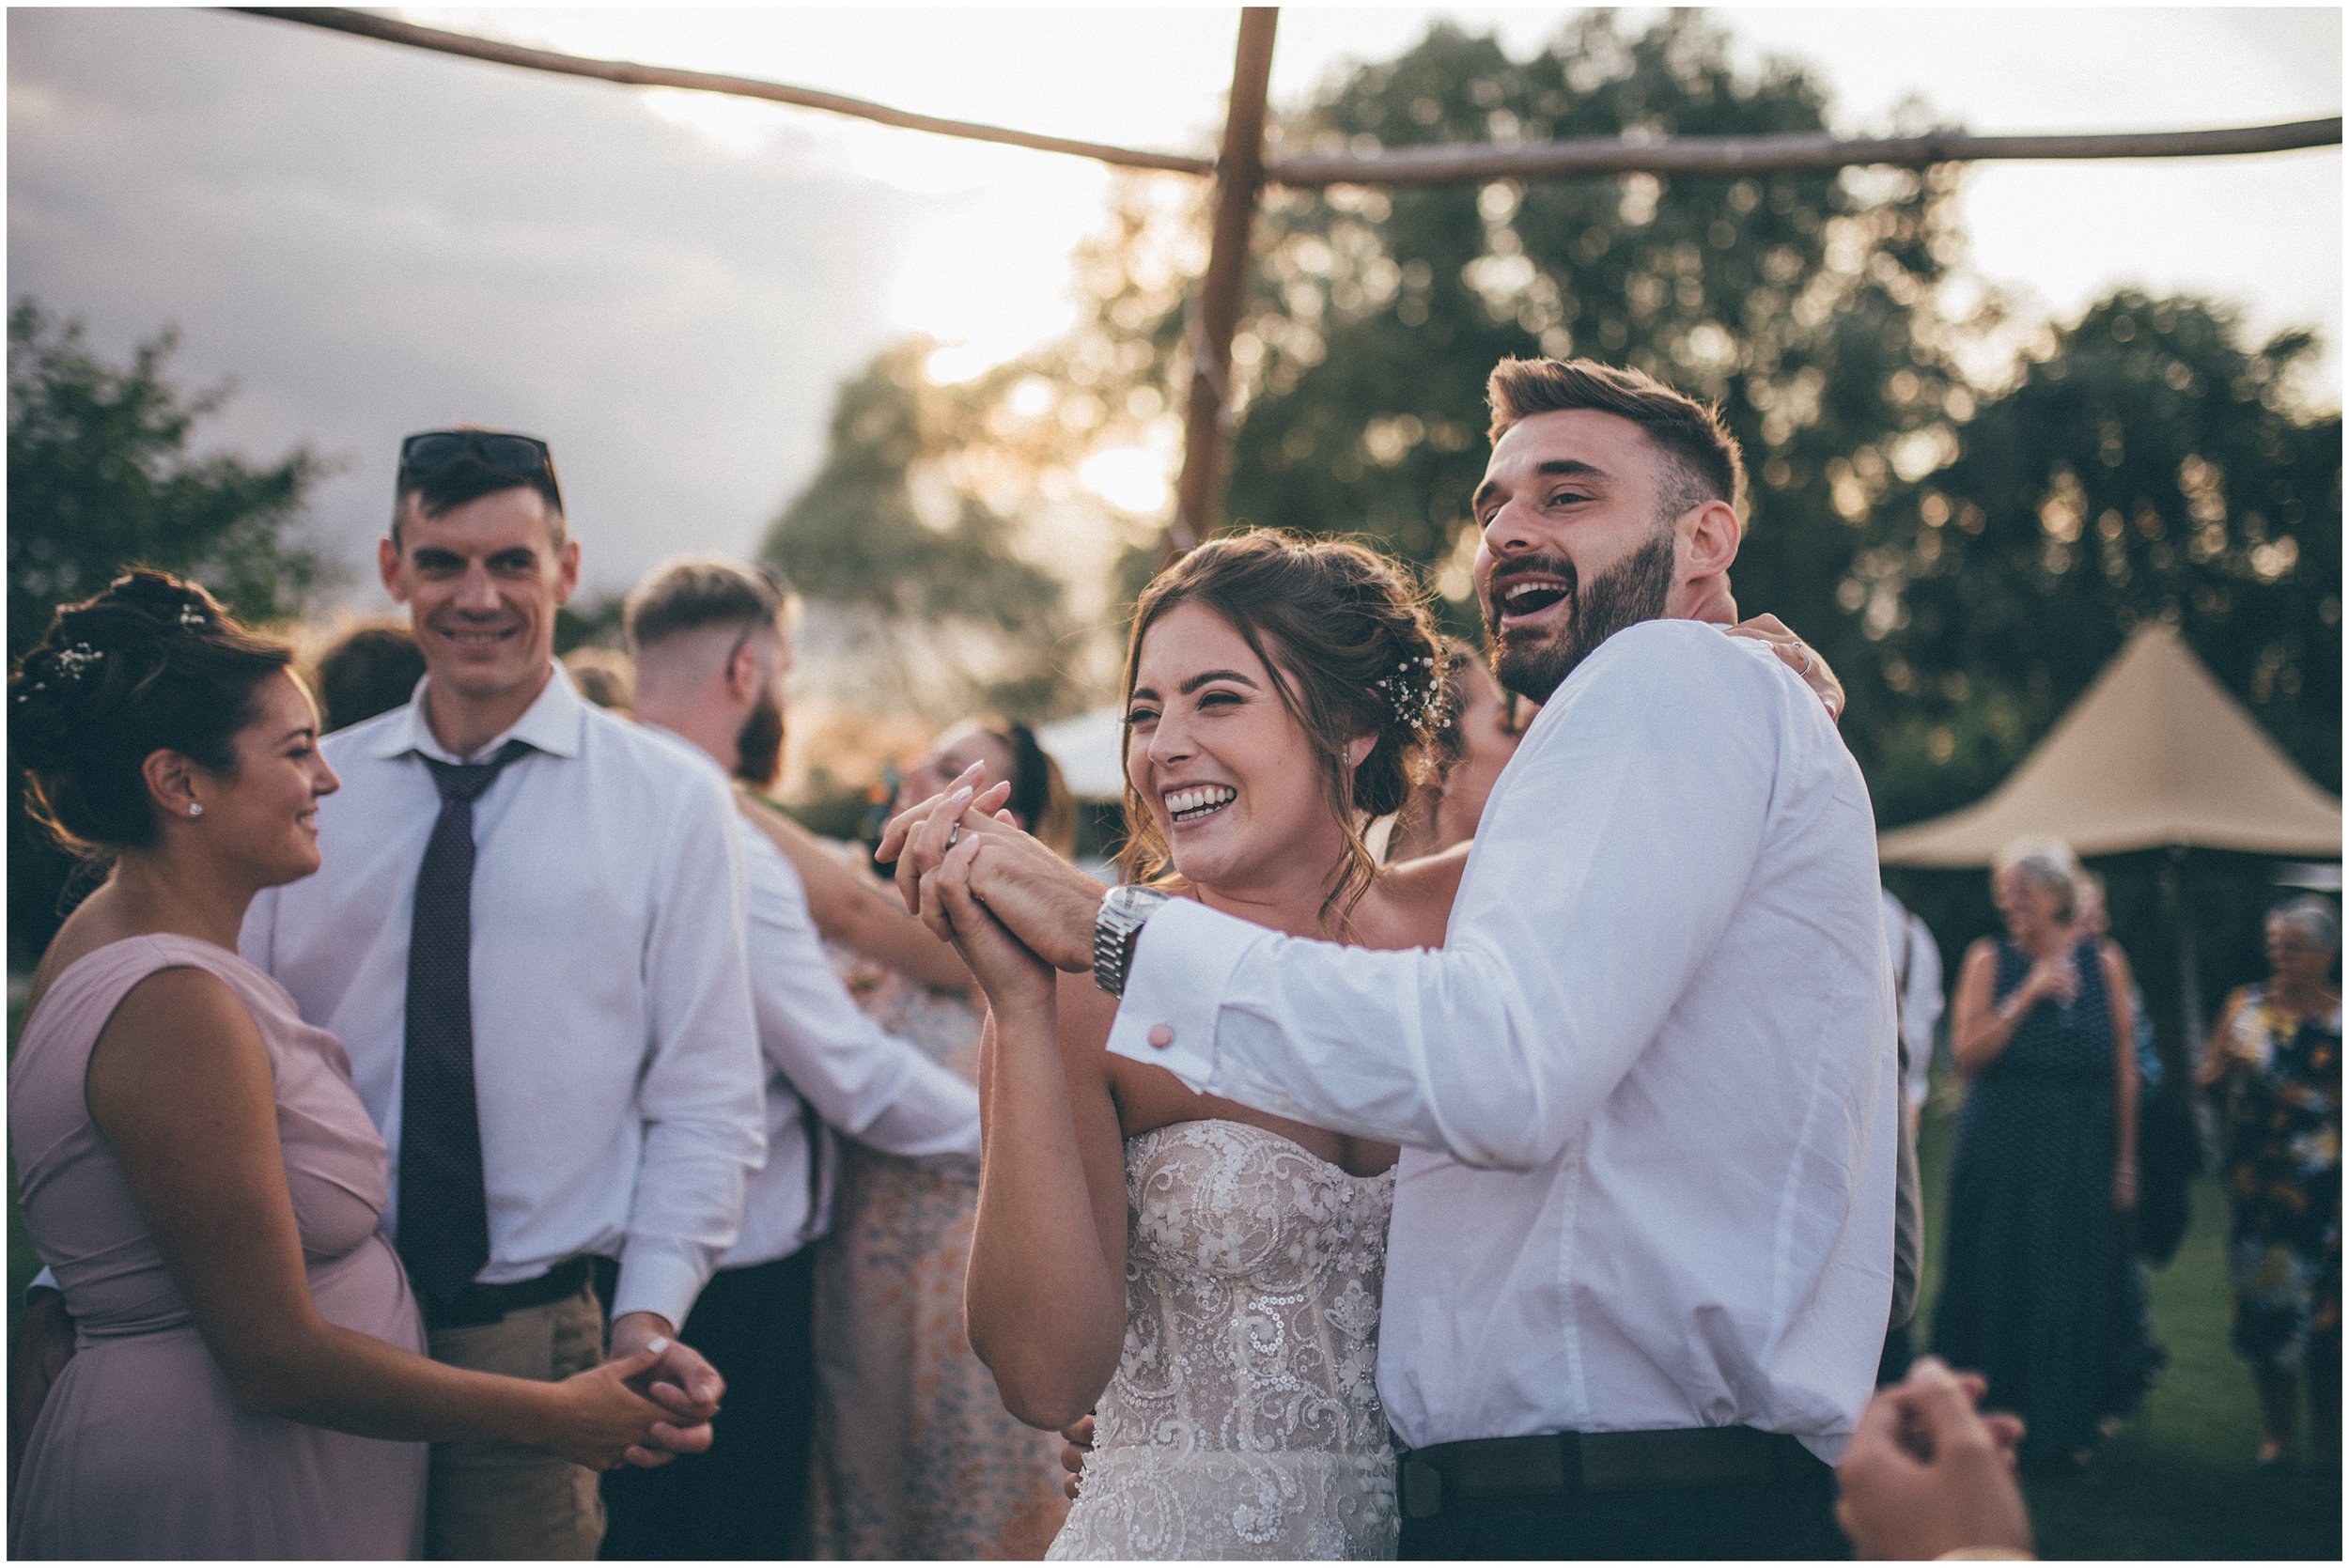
x=913 y=819
x=1799 y=657
x=1014 y=978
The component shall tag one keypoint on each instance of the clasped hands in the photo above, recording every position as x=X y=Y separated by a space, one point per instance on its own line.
x=677 y=1379
x=1014 y=909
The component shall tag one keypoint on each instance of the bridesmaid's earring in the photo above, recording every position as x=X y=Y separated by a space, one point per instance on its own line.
x=196 y=809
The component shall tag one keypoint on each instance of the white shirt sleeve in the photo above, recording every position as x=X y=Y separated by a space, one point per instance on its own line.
x=865 y=1082
x=1609 y=862
x=703 y=1093
x=1920 y=1008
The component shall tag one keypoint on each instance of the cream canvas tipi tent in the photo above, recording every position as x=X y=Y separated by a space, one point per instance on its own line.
x=2156 y=754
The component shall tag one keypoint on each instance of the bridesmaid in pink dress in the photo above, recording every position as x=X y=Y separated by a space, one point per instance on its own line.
x=194 y=1164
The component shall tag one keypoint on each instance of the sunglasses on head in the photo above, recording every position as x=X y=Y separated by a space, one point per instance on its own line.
x=430 y=451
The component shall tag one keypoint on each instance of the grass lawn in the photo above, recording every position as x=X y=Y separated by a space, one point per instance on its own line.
x=2179 y=1482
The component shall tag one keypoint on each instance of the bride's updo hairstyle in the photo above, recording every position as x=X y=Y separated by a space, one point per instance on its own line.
x=151 y=663
x=1353 y=652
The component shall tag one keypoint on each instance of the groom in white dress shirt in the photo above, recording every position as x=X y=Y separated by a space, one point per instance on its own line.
x=1640 y=1264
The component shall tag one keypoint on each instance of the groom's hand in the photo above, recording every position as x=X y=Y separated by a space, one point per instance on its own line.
x=1040 y=898
x=1018 y=985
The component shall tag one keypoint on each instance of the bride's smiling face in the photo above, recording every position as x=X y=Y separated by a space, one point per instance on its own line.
x=1230 y=779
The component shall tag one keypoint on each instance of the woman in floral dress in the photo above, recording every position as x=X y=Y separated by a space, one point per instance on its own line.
x=2275 y=1060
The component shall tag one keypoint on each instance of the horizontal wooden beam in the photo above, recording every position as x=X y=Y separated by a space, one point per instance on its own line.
x=368 y=24
x=1413 y=165
x=1731 y=155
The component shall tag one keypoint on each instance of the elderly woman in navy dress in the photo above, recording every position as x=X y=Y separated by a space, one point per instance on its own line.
x=2045 y=1159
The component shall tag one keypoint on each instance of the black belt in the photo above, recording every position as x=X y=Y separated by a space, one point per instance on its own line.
x=1569 y=1464
x=478 y=1304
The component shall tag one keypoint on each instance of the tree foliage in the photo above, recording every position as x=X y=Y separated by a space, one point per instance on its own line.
x=100 y=476
x=1967 y=553
x=1796 y=302
x=2145 y=465
x=895 y=535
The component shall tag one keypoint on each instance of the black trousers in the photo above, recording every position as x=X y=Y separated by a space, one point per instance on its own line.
x=1786 y=1519
x=746 y=1499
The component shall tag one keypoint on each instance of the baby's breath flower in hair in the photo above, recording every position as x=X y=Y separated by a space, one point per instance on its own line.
x=1417 y=694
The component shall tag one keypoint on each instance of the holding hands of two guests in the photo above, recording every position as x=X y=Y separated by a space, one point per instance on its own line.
x=627 y=1410
x=650 y=1363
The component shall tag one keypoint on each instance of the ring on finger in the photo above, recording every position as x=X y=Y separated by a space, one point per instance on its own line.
x=953 y=834
x=1805 y=664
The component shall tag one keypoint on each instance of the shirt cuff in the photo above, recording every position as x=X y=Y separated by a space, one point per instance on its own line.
x=658 y=1279
x=1183 y=965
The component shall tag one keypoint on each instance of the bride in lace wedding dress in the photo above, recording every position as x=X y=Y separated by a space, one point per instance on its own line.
x=1202 y=1276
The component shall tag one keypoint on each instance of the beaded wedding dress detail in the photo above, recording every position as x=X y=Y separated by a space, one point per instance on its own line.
x=1244 y=1419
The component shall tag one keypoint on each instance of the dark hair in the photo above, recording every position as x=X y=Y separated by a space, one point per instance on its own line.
x=1702 y=455
x=366 y=671
x=687 y=595
x=151 y=663
x=1352 y=651
x=1040 y=796
x=468 y=477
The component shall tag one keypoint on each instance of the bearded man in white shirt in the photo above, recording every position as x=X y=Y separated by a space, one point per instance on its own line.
x=1639 y=1264
x=595 y=1087
x=712 y=646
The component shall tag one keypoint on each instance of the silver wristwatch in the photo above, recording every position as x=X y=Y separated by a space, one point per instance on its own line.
x=1115 y=931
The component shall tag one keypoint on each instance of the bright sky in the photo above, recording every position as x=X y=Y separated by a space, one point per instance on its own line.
x=986 y=268
x=670 y=287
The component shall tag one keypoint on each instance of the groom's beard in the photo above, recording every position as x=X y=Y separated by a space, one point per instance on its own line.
x=758 y=750
x=1535 y=665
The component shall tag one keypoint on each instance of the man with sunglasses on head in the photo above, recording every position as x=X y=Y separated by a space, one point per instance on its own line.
x=528 y=932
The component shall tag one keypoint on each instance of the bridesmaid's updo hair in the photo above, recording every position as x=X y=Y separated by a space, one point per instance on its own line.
x=151 y=663
x=1354 y=652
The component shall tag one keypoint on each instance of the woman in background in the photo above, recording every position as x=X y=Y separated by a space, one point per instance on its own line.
x=1474 y=738
x=194 y=1164
x=2046 y=1157
x=916 y=1455
x=2276 y=1059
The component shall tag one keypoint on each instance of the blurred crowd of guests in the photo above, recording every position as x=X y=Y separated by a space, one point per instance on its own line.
x=665 y=1108
x=714 y=1247
x=910 y=1452
x=2072 y=1153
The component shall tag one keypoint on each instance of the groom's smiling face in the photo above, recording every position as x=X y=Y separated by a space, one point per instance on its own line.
x=1578 y=514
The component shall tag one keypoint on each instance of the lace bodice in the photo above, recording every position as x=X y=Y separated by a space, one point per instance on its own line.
x=1244 y=1418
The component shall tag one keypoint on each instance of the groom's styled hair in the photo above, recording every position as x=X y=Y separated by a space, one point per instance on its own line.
x=1702 y=459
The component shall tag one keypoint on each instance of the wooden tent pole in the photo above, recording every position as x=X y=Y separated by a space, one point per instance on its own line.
x=1214 y=309
x=2189 y=970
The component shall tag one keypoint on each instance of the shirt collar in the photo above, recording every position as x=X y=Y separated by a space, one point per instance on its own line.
x=555 y=722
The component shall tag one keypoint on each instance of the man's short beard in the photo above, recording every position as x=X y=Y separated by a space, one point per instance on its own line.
x=758 y=749
x=1635 y=589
